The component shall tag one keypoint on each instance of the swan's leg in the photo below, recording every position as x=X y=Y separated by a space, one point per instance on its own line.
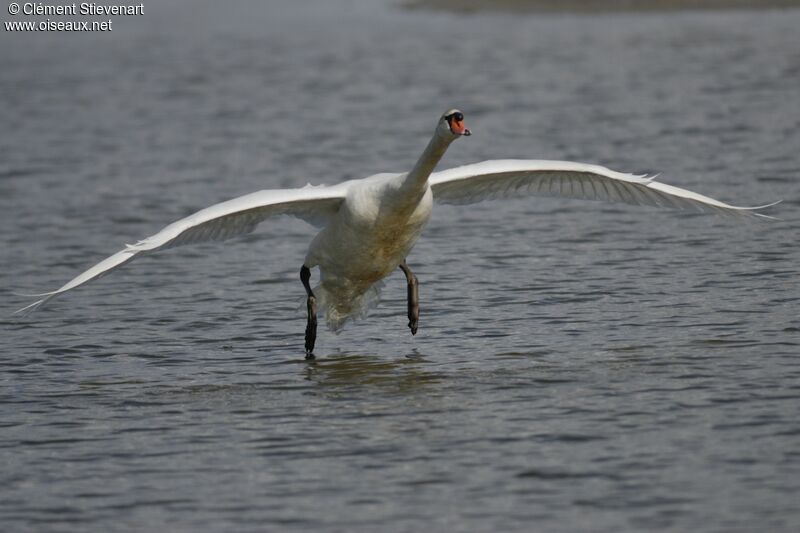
x=311 y=305
x=413 y=297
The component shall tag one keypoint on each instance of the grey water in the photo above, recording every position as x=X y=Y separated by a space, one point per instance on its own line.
x=579 y=366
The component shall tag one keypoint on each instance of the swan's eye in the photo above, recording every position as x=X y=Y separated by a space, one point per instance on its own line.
x=458 y=117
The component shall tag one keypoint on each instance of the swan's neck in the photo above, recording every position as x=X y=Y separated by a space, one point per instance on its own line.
x=417 y=179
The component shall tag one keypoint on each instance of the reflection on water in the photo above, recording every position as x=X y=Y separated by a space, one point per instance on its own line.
x=401 y=375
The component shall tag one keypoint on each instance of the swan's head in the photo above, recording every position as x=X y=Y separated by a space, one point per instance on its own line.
x=452 y=124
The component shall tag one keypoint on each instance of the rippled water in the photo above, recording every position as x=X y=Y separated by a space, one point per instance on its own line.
x=579 y=366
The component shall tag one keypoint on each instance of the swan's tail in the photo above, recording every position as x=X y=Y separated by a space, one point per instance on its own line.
x=341 y=306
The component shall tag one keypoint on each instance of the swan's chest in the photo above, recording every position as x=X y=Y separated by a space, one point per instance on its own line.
x=388 y=221
x=374 y=232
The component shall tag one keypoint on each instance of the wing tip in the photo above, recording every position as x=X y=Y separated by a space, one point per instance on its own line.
x=31 y=308
x=753 y=211
x=765 y=206
x=39 y=295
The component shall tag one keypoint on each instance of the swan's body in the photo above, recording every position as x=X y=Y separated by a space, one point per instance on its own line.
x=369 y=226
x=373 y=232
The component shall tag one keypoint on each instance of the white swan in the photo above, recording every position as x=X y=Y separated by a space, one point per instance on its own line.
x=370 y=225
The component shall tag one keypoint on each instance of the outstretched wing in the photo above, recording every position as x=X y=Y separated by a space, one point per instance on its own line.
x=515 y=177
x=218 y=222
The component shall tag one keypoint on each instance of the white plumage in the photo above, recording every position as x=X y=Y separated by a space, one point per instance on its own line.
x=370 y=225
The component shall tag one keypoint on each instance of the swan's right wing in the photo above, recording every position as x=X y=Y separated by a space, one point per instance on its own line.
x=218 y=222
x=512 y=178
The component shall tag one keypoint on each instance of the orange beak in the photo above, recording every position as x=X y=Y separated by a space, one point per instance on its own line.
x=458 y=127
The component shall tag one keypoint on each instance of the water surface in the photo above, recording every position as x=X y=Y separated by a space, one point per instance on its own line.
x=579 y=366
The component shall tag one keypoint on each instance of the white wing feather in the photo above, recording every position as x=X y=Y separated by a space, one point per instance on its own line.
x=218 y=222
x=513 y=177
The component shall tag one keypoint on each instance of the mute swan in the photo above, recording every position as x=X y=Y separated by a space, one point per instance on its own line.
x=370 y=225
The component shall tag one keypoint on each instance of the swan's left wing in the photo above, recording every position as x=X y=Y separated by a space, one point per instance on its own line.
x=218 y=222
x=515 y=177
